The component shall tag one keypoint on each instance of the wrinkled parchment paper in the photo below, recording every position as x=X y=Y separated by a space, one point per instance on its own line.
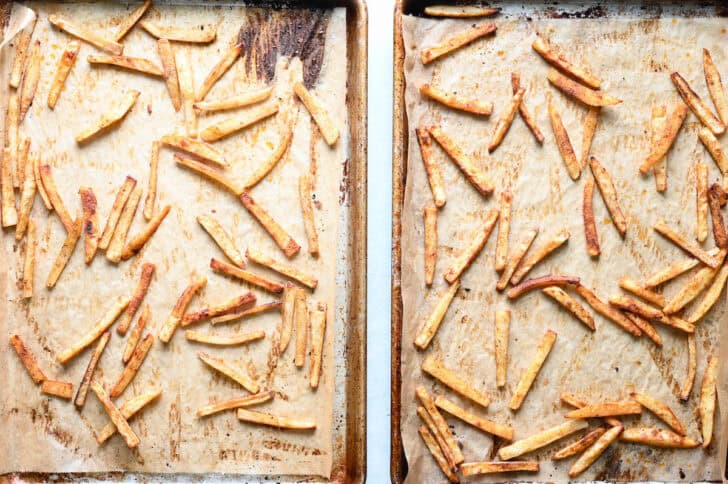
x=634 y=58
x=49 y=435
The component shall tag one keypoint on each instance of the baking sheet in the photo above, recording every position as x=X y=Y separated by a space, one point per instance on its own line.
x=173 y=439
x=635 y=58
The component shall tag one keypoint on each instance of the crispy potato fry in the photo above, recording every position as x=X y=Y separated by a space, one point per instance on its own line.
x=674 y=270
x=222 y=238
x=609 y=194
x=237 y=303
x=529 y=376
x=457 y=101
x=646 y=328
x=691 y=248
x=648 y=312
x=500 y=430
x=136 y=64
x=169 y=66
x=137 y=298
x=200 y=149
x=50 y=185
x=590 y=226
x=460 y=11
x=430 y=223
x=434 y=368
x=579 y=92
x=606 y=409
x=504 y=229
x=715 y=86
x=31 y=243
x=223 y=367
x=130 y=21
x=9 y=212
x=119 y=202
x=592 y=453
x=39 y=183
x=21 y=161
x=663 y=141
x=541 y=439
x=479 y=468
x=657 y=438
x=539 y=254
x=199 y=34
x=564 y=143
x=136 y=334
x=506 y=119
x=238 y=122
x=434 y=431
x=580 y=445
x=186 y=81
x=233 y=102
x=456 y=41
x=540 y=282
x=571 y=305
x=519 y=251
x=607 y=311
x=711 y=295
x=69 y=245
x=28 y=359
x=115 y=415
x=699 y=108
x=288 y=125
x=30 y=80
x=661 y=410
x=434 y=319
x=109 y=119
x=713 y=146
x=280 y=422
x=502 y=333
x=577 y=402
x=590 y=127
x=658 y=124
x=288 y=313
x=100 y=327
x=254 y=279
x=169 y=327
x=128 y=409
x=116 y=246
x=317 y=325
x=692 y=364
x=210 y=173
x=284 y=241
x=219 y=69
x=132 y=366
x=551 y=56
x=98 y=41
x=133 y=246
x=701 y=191
x=648 y=295
x=90 y=227
x=437 y=454
x=466 y=258
x=281 y=268
x=301 y=325
x=61 y=389
x=707 y=400
x=151 y=198
x=473 y=173
x=80 y=399
x=434 y=419
x=524 y=112
x=21 y=51
x=223 y=340
x=247 y=312
x=305 y=193
x=12 y=138
x=434 y=176
x=247 y=401
x=699 y=282
x=719 y=232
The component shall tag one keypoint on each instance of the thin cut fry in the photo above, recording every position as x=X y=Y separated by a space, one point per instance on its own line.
x=210 y=173
x=519 y=251
x=459 y=11
x=457 y=101
x=301 y=325
x=137 y=242
x=504 y=229
x=169 y=66
x=241 y=100
x=69 y=245
x=90 y=227
x=528 y=377
x=247 y=401
x=151 y=198
x=701 y=191
x=80 y=399
x=169 y=327
x=563 y=143
x=433 y=321
x=506 y=119
x=430 y=222
x=116 y=246
x=61 y=389
x=658 y=124
x=662 y=411
x=463 y=261
x=500 y=430
x=238 y=122
x=446 y=451
x=707 y=400
x=434 y=176
x=577 y=402
x=223 y=340
x=541 y=439
x=719 y=232
x=590 y=127
x=317 y=323
x=663 y=141
x=648 y=295
x=607 y=311
x=137 y=298
x=109 y=119
x=539 y=254
x=128 y=409
x=284 y=241
x=223 y=367
x=551 y=56
x=434 y=368
x=130 y=21
x=480 y=468
x=186 y=81
x=219 y=69
x=288 y=423
x=9 y=212
x=690 y=247
x=571 y=305
x=713 y=146
x=715 y=86
x=31 y=242
x=590 y=226
x=30 y=80
x=119 y=202
x=692 y=364
x=540 y=282
x=288 y=124
x=581 y=93
x=12 y=140
x=524 y=112
x=136 y=334
x=288 y=313
x=199 y=34
x=711 y=295
x=580 y=445
x=39 y=184
x=609 y=194
x=437 y=454
x=305 y=192
x=222 y=238
x=699 y=282
x=115 y=415
x=674 y=270
x=502 y=334
x=254 y=279
x=434 y=419
x=235 y=304
x=28 y=359
x=592 y=453
x=456 y=41
x=281 y=268
x=21 y=51
x=657 y=438
x=473 y=173
x=648 y=312
x=132 y=366
x=606 y=409
x=195 y=147
x=136 y=64
x=21 y=161
x=646 y=328
x=58 y=205
x=699 y=108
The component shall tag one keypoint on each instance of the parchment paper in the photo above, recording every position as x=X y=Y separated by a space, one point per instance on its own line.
x=634 y=57
x=55 y=437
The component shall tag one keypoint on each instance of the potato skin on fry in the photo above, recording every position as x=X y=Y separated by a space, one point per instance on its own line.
x=540 y=282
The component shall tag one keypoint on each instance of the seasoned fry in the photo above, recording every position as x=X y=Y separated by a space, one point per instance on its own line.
x=21 y=51
x=280 y=422
x=692 y=364
x=701 y=190
x=30 y=80
x=109 y=119
x=281 y=268
x=169 y=66
x=539 y=254
x=590 y=127
x=451 y=379
x=657 y=438
x=609 y=194
x=195 y=147
x=115 y=415
x=563 y=142
x=137 y=242
x=128 y=409
x=528 y=377
x=607 y=311
x=711 y=295
x=574 y=401
x=658 y=124
x=690 y=247
x=39 y=183
x=590 y=226
x=661 y=410
x=223 y=340
x=223 y=367
x=301 y=324
x=132 y=366
x=119 y=202
x=699 y=282
x=713 y=146
x=235 y=304
x=434 y=176
x=551 y=56
x=305 y=192
x=219 y=69
x=699 y=108
x=581 y=93
x=580 y=445
x=169 y=327
x=437 y=454
x=606 y=409
x=519 y=251
x=116 y=246
x=113 y=48
x=21 y=161
x=592 y=453
x=648 y=295
x=541 y=439
x=9 y=212
x=151 y=198
x=502 y=332
x=238 y=122
x=28 y=359
x=504 y=228
x=284 y=241
x=540 y=282
x=288 y=123
x=69 y=245
x=459 y=11
x=473 y=173
x=571 y=305
x=646 y=328
x=254 y=279
x=674 y=270
x=434 y=419
x=719 y=232
x=457 y=101
x=241 y=100
x=247 y=312
x=222 y=238
x=479 y=468
x=60 y=208
x=439 y=439
x=137 y=298
x=210 y=173
x=317 y=325
x=506 y=119
x=90 y=225
x=663 y=141
x=715 y=86
x=130 y=21
x=247 y=401
x=524 y=112
x=199 y=34
x=61 y=389
x=430 y=222
x=456 y=41
x=186 y=81
x=80 y=399
x=12 y=141
x=136 y=334
x=433 y=321
x=707 y=400
x=502 y=431
x=288 y=313
x=648 y=312
x=136 y=64
x=463 y=261
x=29 y=260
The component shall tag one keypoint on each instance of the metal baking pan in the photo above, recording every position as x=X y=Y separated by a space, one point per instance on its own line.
x=400 y=141
x=349 y=429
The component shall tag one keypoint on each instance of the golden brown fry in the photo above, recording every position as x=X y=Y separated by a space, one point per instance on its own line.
x=219 y=69
x=247 y=312
x=701 y=190
x=223 y=340
x=663 y=141
x=500 y=430
x=281 y=268
x=434 y=368
x=590 y=127
x=519 y=251
x=186 y=81
x=238 y=122
x=711 y=295
x=657 y=438
x=317 y=324
x=119 y=202
x=137 y=298
x=504 y=229
x=61 y=389
x=715 y=86
x=90 y=225
x=288 y=423
x=132 y=366
x=98 y=41
x=233 y=102
x=607 y=311
x=210 y=173
x=169 y=327
x=21 y=161
x=590 y=226
x=463 y=261
x=69 y=245
x=109 y=119
x=115 y=415
x=713 y=146
x=502 y=332
x=288 y=313
x=284 y=241
x=456 y=41
x=541 y=439
x=21 y=51
x=169 y=66
x=136 y=64
x=707 y=399
x=524 y=112
x=195 y=147
x=577 y=402
x=152 y=184
x=136 y=334
x=719 y=232
x=50 y=185
x=460 y=11
x=130 y=21
x=9 y=212
x=137 y=242
x=288 y=122
x=646 y=328
x=506 y=119
x=434 y=176
x=433 y=321
x=12 y=139
x=581 y=93
x=648 y=312
x=592 y=453
x=305 y=193
x=457 y=101
x=528 y=377
x=223 y=367
x=222 y=238
x=580 y=445
x=551 y=56
x=128 y=409
x=563 y=143
x=661 y=410
x=540 y=282
x=480 y=468
x=473 y=173
x=30 y=80
x=648 y=295
x=301 y=325
x=100 y=327
x=80 y=399
x=539 y=254
x=658 y=124
x=571 y=305
x=254 y=279
x=247 y=401
x=690 y=247
x=235 y=304
x=699 y=108
x=31 y=243
x=437 y=454
x=439 y=439
x=607 y=409
x=699 y=282
x=28 y=359
x=430 y=222
x=199 y=34
x=609 y=194
x=39 y=183
x=116 y=246
x=437 y=424
x=674 y=270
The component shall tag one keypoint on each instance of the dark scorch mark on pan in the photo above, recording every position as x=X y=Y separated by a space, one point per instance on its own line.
x=596 y=11
x=288 y=32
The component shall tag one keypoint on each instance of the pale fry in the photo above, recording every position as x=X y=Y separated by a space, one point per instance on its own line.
x=715 y=86
x=128 y=409
x=504 y=228
x=699 y=282
x=519 y=251
x=699 y=108
x=576 y=402
x=648 y=312
x=200 y=149
x=170 y=325
x=317 y=324
x=55 y=198
x=674 y=270
x=222 y=238
x=590 y=127
x=707 y=400
x=12 y=141
x=528 y=377
x=30 y=80
x=235 y=304
x=137 y=298
x=301 y=326
x=500 y=430
x=456 y=41
x=210 y=173
x=116 y=246
x=61 y=389
x=430 y=222
x=502 y=334
x=198 y=34
x=241 y=100
x=701 y=192
x=238 y=122
x=592 y=453
x=21 y=51
x=115 y=415
x=590 y=226
x=223 y=367
x=541 y=439
x=130 y=21
x=219 y=69
x=119 y=202
x=247 y=312
x=90 y=223
x=657 y=438
x=434 y=368
x=109 y=119
x=571 y=305
x=711 y=295
x=457 y=101
x=132 y=366
x=136 y=334
x=9 y=212
x=28 y=359
x=658 y=124
x=563 y=143
x=223 y=340
x=186 y=81
x=506 y=119
x=306 y=196
x=524 y=112
x=169 y=66
x=281 y=268
x=480 y=468
x=21 y=161
x=136 y=64
x=247 y=401
x=661 y=410
x=713 y=146
x=466 y=258
x=646 y=328
x=648 y=295
x=288 y=125
x=435 y=431
x=110 y=46
x=580 y=445
x=279 y=422
x=607 y=311
x=692 y=365
x=540 y=282
x=434 y=176
x=288 y=313
x=719 y=232
x=437 y=454
x=690 y=247
x=539 y=254
x=439 y=427
x=80 y=399
x=581 y=93
x=137 y=242
x=31 y=243
x=39 y=183
x=459 y=11
x=609 y=194
x=550 y=54
x=254 y=279
x=69 y=245
x=433 y=321
x=473 y=173
x=151 y=198
x=606 y=409
x=663 y=141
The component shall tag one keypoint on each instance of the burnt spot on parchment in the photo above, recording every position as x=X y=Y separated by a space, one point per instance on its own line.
x=286 y=32
x=596 y=11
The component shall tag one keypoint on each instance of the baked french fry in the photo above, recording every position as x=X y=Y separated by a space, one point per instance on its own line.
x=502 y=334
x=130 y=21
x=648 y=312
x=284 y=241
x=115 y=415
x=30 y=80
x=288 y=313
x=658 y=124
x=245 y=300
x=219 y=69
x=607 y=311
x=238 y=122
x=186 y=81
x=707 y=400
x=81 y=33
x=551 y=56
x=580 y=445
x=701 y=191
x=529 y=376
x=128 y=409
x=590 y=127
x=233 y=102
x=28 y=359
x=9 y=212
x=317 y=325
x=199 y=34
x=279 y=422
x=50 y=185
x=715 y=86
x=473 y=173
x=674 y=270
x=222 y=238
x=692 y=364
x=12 y=140
x=109 y=119
x=581 y=93
x=541 y=282
x=434 y=368
x=609 y=194
x=210 y=173
x=39 y=183
x=439 y=439
x=606 y=409
x=288 y=123
x=31 y=242
x=539 y=254
x=21 y=51
x=433 y=321
x=80 y=399
x=646 y=328
x=460 y=11
x=661 y=410
x=434 y=419
x=663 y=141
x=254 y=279
x=571 y=305
x=434 y=176
x=456 y=41
x=200 y=149
x=657 y=438
x=301 y=325
x=133 y=246
x=118 y=241
x=223 y=367
x=281 y=268
x=463 y=261
x=61 y=389
x=136 y=334
x=90 y=225
x=223 y=340
x=648 y=295
x=524 y=112
x=151 y=198
x=711 y=295
x=305 y=193
x=69 y=245
x=713 y=146
x=690 y=247
x=132 y=366
x=169 y=66
x=480 y=468
x=21 y=161
x=437 y=454
x=563 y=143
x=170 y=325
x=504 y=229
x=247 y=401
x=430 y=222
x=506 y=119
x=136 y=64
x=577 y=402
x=719 y=232
x=541 y=439
x=519 y=251
x=457 y=101
x=247 y=312
x=592 y=453
x=488 y=426
x=699 y=282
x=698 y=107
x=590 y=226
x=137 y=298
